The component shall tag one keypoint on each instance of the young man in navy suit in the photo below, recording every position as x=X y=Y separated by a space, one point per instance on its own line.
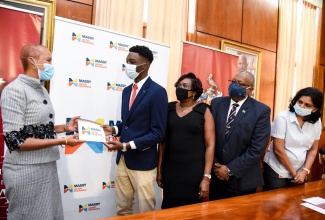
x=144 y=117
x=242 y=134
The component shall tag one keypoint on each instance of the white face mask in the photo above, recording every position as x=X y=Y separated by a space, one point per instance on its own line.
x=130 y=70
x=301 y=111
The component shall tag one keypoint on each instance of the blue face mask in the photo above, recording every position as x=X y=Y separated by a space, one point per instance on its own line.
x=236 y=91
x=47 y=73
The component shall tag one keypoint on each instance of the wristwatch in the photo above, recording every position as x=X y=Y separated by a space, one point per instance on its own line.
x=124 y=147
x=207 y=175
x=230 y=173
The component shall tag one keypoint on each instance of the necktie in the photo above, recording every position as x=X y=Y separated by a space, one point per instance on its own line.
x=134 y=93
x=231 y=118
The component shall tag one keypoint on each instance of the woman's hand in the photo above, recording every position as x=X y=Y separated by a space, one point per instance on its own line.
x=159 y=179
x=204 y=187
x=108 y=130
x=300 y=177
x=73 y=140
x=72 y=125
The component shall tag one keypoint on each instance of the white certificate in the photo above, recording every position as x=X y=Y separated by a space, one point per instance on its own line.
x=90 y=131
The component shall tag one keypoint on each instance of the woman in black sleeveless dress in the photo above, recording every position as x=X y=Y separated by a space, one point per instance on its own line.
x=186 y=154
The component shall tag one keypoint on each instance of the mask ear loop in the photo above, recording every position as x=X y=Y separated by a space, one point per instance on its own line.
x=34 y=64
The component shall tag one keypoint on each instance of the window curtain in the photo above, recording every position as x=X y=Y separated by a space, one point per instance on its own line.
x=167 y=23
x=306 y=50
x=123 y=15
x=296 y=50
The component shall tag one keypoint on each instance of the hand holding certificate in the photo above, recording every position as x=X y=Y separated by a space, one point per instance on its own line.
x=90 y=131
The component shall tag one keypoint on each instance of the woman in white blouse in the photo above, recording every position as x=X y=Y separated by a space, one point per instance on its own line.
x=295 y=134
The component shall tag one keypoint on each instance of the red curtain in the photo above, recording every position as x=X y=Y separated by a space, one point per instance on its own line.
x=203 y=61
x=17 y=29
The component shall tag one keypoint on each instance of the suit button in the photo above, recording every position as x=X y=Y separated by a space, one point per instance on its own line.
x=224 y=150
x=51 y=115
x=45 y=102
x=126 y=127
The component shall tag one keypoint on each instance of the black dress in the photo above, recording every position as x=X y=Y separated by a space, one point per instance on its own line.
x=184 y=157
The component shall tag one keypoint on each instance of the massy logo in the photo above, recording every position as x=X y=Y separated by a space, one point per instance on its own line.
x=85 y=130
x=108 y=185
x=90 y=62
x=115 y=86
x=123 y=67
x=96 y=63
x=119 y=46
x=89 y=207
x=85 y=83
x=91 y=131
x=83 y=38
x=81 y=187
x=97 y=147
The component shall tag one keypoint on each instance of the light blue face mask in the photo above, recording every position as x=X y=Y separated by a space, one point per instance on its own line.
x=301 y=111
x=47 y=73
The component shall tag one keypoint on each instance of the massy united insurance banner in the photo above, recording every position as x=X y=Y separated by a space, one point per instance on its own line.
x=18 y=27
x=203 y=61
x=88 y=81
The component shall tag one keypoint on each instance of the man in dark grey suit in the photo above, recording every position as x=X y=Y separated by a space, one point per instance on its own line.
x=242 y=134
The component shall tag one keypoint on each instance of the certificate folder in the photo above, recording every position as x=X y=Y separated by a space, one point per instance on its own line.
x=90 y=131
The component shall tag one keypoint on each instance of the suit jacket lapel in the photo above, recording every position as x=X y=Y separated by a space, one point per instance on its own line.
x=139 y=97
x=244 y=109
x=224 y=108
x=125 y=101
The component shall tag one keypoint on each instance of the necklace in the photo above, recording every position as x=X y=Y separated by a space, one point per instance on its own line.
x=186 y=110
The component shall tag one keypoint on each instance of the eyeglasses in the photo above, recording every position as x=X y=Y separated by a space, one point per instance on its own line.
x=184 y=86
x=240 y=84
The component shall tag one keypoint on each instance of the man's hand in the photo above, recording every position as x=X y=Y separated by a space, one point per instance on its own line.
x=220 y=171
x=113 y=145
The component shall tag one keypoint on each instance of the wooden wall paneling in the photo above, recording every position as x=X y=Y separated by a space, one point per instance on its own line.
x=221 y=18
x=208 y=40
x=267 y=79
x=87 y=2
x=260 y=23
x=317 y=169
x=322 y=43
x=93 y=20
x=74 y=11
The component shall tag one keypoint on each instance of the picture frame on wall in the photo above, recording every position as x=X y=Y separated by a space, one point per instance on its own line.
x=253 y=56
x=47 y=8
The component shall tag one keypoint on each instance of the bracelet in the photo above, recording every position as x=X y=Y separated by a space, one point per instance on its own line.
x=66 y=141
x=307 y=170
x=159 y=171
x=65 y=127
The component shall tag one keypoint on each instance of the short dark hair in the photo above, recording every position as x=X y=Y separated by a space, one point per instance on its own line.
x=196 y=84
x=317 y=99
x=143 y=51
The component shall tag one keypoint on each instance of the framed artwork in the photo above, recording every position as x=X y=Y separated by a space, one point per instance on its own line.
x=253 y=57
x=45 y=7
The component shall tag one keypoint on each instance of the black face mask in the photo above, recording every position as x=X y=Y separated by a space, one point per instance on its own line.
x=181 y=94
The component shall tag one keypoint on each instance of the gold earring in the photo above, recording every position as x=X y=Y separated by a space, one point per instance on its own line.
x=193 y=97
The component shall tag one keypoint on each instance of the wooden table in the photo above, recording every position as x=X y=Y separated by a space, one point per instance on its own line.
x=275 y=204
